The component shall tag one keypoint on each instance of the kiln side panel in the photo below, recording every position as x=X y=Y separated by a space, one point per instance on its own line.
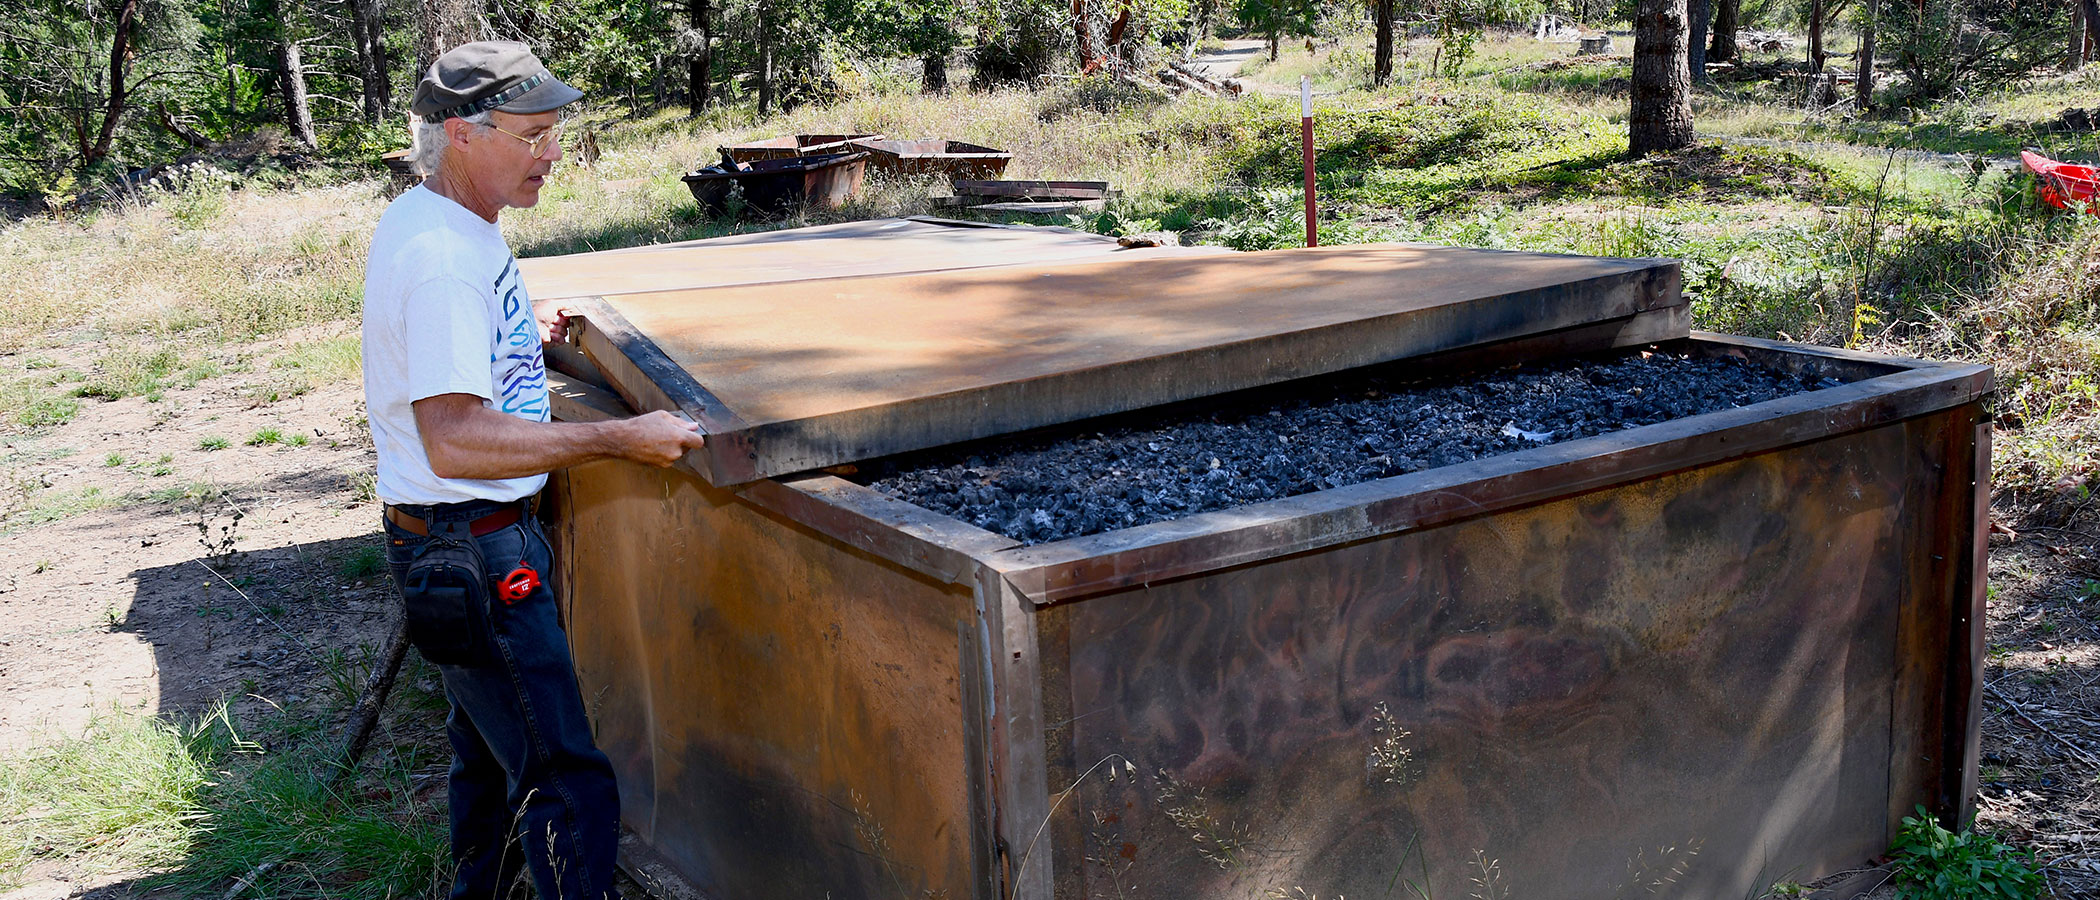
x=786 y=714
x=1684 y=680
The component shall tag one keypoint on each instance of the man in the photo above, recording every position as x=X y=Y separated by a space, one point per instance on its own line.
x=456 y=393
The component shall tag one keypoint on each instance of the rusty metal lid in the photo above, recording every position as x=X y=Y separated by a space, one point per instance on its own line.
x=871 y=247
x=793 y=377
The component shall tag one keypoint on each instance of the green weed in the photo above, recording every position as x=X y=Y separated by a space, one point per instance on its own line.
x=44 y=507
x=129 y=372
x=196 y=491
x=113 y=460
x=266 y=435
x=363 y=486
x=1933 y=863
x=213 y=442
x=196 y=195
x=29 y=403
x=364 y=562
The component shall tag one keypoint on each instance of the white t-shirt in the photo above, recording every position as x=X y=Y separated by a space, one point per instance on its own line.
x=445 y=313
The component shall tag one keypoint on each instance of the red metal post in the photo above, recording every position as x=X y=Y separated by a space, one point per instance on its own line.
x=1312 y=204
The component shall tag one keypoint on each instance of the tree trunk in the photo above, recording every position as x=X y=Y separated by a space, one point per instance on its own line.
x=1863 y=86
x=1815 y=38
x=1661 y=117
x=1382 y=59
x=936 y=80
x=2091 y=8
x=1697 y=12
x=1275 y=39
x=119 y=66
x=1082 y=34
x=291 y=81
x=700 y=60
x=233 y=100
x=765 y=57
x=2074 y=57
x=445 y=24
x=365 y=38
x=1727 y=14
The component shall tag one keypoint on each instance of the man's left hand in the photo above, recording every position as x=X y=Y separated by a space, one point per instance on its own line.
x=554 y=321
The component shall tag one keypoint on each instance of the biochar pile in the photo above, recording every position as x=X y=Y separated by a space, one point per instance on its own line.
x=1043 y=489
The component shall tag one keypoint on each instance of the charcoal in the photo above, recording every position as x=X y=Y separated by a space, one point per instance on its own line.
x=1335 y=433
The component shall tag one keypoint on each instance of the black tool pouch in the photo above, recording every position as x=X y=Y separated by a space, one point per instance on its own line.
x=447 y=596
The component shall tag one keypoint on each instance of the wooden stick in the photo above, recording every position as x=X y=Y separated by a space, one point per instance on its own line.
x=365 y=716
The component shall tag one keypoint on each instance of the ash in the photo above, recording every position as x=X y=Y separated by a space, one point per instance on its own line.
x=1047 y=488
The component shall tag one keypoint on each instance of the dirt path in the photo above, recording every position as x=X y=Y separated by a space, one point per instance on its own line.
x=1228 y=62
x=132 y=606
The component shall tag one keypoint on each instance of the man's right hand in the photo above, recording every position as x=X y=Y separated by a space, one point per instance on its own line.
x=659 y=438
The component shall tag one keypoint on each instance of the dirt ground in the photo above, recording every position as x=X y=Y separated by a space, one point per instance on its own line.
x=139 y=605
x=136 y=606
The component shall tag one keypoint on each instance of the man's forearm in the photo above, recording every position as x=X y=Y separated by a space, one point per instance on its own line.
x=490 y=444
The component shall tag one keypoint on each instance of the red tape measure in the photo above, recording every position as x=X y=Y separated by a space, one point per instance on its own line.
x=518 y=585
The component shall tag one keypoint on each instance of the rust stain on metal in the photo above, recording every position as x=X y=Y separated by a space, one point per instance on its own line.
x=1703 y=657
x=785 y=713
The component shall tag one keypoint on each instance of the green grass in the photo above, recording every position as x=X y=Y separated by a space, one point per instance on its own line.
x=130 y=372
x=364 y=562
x=266 y=435
x=200 y=804
x=38 y=401
x=185 y=493
x=312 y=365
x=213 y=442
x=46 y=506
x=126 y=794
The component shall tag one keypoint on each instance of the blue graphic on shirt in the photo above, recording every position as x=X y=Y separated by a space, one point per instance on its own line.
x=519 y=369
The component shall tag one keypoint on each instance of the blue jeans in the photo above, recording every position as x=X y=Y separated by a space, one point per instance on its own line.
x=529 y=787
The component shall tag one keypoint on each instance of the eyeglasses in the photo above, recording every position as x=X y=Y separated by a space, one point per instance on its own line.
x=538 y=145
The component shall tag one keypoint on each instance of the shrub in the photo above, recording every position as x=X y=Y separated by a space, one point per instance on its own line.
x=1933 y=863
x=1100 y=93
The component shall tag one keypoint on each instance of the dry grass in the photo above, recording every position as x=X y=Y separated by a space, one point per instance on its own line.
x=271 y=260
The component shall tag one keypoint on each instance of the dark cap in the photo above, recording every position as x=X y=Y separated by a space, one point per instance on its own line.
x=485 y=75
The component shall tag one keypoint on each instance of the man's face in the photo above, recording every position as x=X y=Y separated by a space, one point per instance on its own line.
x=501 y=165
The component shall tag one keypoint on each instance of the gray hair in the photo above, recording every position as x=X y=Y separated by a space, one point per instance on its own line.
x=430 y=141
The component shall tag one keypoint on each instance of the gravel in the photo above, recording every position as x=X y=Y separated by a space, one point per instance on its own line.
x=1043 y=488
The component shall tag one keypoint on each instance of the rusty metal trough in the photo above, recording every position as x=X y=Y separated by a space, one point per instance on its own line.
x=779 y=187
x=934 y=156
x=1739 y=646
x=793 y=145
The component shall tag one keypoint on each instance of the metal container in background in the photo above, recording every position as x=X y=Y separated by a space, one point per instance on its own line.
x=1736 y=647
x=793 y=145
x=779 y=187
x=951 y=159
